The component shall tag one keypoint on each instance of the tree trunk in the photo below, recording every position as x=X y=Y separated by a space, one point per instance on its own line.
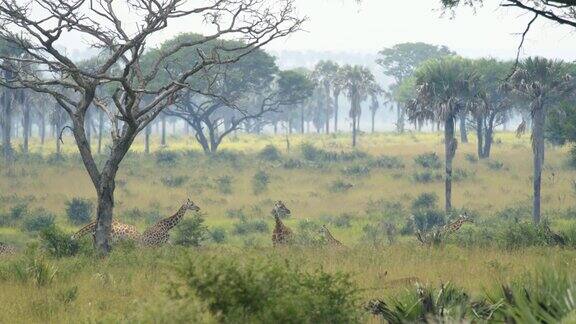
x=104 y=213
x=101 y=130
x=25 y=124
x=373 y=120
x=354 y=131
x=302 y=119
x=163 y=142
x=480 y=136
x=42 y=126
x=336 y=108
x=147 y=133
x=450 y=150
x=463 y=131
x=538 y=120
x=399 y=118
x=7 y=126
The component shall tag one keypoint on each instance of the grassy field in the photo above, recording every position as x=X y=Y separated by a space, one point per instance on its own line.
x=131 y=282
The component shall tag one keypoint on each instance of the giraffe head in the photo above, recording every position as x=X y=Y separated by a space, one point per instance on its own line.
x=190 y=205
x=323 y=230
x=280 y=210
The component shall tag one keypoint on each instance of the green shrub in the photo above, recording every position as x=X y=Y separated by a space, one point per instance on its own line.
x=270 y=153
x=224 y=184
x=267 y=291
x=260 y=182
x=426 y=200
x=524 y=234
x=495 y=165
x=449 y=304
x=218 y=235
x=31 y=268
x=57 y=243
x=356 y=170
x=426 y=176
x=79 y=210
x=426 y=220
x=293 y=164
x=38 y=220
x=572 y=157
x=387 y=162
x=314 y=154
x=428 y=160
x=544 y=297
x=166 y=158
x=244 y=227
x=340 y=221
x=191 y=232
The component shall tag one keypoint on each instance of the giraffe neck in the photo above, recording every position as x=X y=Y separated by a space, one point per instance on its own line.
x=279 y=223
x=330 y=236
x=173 y=220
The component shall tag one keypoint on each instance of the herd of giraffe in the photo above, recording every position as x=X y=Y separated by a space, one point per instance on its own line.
x=159 y=233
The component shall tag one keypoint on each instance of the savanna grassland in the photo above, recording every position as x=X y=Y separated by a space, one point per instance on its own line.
x=366 y=197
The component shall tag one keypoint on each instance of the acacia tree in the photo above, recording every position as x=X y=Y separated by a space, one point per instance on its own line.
x=223 y=97
x=38 y=26
x=443 y=89
x=295 y=88
x=401 y=60
x=358 y=83
x=542 y=82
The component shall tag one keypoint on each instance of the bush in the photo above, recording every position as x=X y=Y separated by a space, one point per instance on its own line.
x=426 y=220
x=218 y=235
x=224 y=185
x=270 y=153
x=314 y=154
x=293 y=164
x=426 y=176
x=449 y=304
x=166 y=158
x=16 y=213
x=174 y=182
x=39 y=220
x=387 y=162
x=572 y=157
x=428 y=161
x=519 y=235
x=356 y=170
x=250 y=226
x=57 y=243
x=267 y=291
x=495 y=165
x=260 y=182
x=79 y=210
x=191 y=232
x=426 y=200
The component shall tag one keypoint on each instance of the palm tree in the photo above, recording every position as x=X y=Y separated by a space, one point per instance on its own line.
x=324 y=75
x=541 y=82
x=443 y=89
x=358 y=83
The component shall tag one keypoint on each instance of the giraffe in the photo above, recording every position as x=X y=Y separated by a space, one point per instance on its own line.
x=158 y=234
x=330 y=239
x=119 y=232
x=6 y=249
x=282 y=234
x=455 y=225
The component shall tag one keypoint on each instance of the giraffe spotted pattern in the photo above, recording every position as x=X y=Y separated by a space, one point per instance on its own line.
x=282 y=235
x=158 y=234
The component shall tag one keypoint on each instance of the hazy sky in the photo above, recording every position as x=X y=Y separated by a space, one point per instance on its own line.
x=345 y=26
x=342 y=25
